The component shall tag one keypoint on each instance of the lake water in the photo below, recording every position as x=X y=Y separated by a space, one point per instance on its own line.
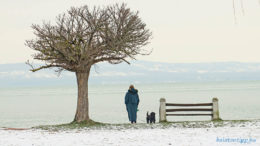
x=32 y=106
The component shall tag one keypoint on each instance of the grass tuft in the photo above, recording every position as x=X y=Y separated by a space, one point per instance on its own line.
x=93 y=125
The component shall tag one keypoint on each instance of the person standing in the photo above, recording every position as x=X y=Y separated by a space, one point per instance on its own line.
x=132 y=102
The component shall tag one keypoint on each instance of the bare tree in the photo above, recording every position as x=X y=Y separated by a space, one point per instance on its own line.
x=83 y=37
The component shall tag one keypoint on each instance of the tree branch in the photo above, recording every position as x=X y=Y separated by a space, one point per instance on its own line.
x=82 y=37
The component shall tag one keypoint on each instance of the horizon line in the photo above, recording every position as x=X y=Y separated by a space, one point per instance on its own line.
x=132 y=61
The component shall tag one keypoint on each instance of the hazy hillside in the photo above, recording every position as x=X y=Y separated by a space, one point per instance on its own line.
x=137 y=72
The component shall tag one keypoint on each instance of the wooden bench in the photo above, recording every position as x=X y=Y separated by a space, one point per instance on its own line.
x=213 y=109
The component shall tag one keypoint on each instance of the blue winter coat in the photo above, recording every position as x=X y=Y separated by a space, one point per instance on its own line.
x=132 y=102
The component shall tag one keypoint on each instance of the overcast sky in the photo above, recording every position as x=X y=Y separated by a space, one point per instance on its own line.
x=183 y=30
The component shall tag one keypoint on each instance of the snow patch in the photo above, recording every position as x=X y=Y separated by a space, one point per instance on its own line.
x=130 y=137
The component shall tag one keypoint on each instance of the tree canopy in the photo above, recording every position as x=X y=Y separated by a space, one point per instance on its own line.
x=82 y=37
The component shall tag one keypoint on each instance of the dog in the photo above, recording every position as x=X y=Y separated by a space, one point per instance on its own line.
x=150 y=118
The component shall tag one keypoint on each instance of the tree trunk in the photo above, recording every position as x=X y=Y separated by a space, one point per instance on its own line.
x=82 y=113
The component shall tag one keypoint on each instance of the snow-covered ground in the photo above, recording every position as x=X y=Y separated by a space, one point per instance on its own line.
x=241 y=134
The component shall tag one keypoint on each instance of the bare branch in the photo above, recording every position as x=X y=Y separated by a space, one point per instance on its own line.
x=234 y=12
x=39 y=68
x=82 y=37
